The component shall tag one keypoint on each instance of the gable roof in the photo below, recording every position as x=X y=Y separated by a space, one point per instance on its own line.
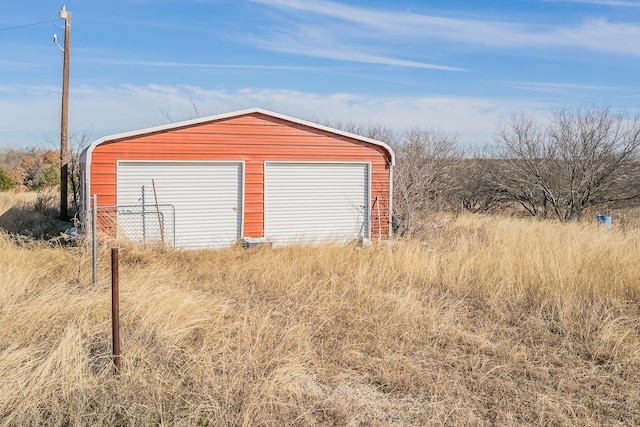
x=86 y=153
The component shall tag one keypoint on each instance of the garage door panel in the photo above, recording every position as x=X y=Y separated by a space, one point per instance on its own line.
x=313 y=202
x=206 y=197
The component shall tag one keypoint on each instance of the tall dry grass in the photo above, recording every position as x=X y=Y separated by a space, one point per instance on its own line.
x=31 y=214
x=491 y=321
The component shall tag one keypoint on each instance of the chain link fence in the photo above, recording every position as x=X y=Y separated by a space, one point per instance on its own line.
x=139 y=223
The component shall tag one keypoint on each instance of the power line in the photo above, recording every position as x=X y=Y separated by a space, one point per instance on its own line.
x=27 y=25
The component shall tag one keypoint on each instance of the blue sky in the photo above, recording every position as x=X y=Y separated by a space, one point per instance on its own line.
x=460 y=67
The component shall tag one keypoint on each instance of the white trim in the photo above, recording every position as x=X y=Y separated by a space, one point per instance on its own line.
x=86 y=188
x=243 y=186
x=369 y=200
x=390 y=201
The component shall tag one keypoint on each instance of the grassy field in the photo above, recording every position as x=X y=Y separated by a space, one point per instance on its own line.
x=485 y=321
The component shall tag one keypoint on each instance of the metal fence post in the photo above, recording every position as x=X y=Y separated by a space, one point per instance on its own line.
x=94 y=237
x=115 y=310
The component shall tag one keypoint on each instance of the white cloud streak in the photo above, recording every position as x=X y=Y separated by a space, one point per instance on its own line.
x=169 y=64
x=561 y=87
x=611 y=3
x=293 y=44
x=593 y=34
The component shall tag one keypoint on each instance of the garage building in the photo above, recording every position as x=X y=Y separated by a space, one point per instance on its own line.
x=242 y=175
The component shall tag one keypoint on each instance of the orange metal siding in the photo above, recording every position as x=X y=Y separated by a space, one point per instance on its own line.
x=253 y=138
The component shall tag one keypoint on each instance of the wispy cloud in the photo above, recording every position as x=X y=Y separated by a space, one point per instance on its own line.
x=594 y=34
x=169 y=64
x=21 y=64
x=312 y=46
x=561 y=87
x=612 y=3
x=332 y=39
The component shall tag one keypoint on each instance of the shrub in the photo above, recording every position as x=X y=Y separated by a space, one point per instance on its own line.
x=48 y=176
x=5 y=182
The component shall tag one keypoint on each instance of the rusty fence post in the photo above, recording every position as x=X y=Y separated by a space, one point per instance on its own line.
x=115 y=310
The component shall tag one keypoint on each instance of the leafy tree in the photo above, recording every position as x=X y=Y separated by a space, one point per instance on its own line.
x=48 y=177
x=5 y=182
x=40 y=169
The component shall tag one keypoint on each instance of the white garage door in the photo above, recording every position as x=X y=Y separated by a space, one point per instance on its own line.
x=314 y=202
x=207 y=197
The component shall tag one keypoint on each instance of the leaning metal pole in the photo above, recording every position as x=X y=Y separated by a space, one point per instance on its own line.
x=94 y=238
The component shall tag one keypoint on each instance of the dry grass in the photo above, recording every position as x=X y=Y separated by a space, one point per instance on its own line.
x=491 y=322
x=31 y=215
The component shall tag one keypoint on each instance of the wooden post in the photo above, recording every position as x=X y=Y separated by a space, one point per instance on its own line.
x=115 y=310
x=64 y=120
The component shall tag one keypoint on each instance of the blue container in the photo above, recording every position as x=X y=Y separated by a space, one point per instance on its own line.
x=604 y=220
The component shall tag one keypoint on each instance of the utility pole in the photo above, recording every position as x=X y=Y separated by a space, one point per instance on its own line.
x=64 y=121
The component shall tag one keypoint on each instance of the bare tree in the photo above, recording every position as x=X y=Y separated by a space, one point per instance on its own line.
x=473 y=190
x=423 y=177
x=522 y=174
x=574 y=161
x=166 y=116
x=77 y=142
x=379 y=133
